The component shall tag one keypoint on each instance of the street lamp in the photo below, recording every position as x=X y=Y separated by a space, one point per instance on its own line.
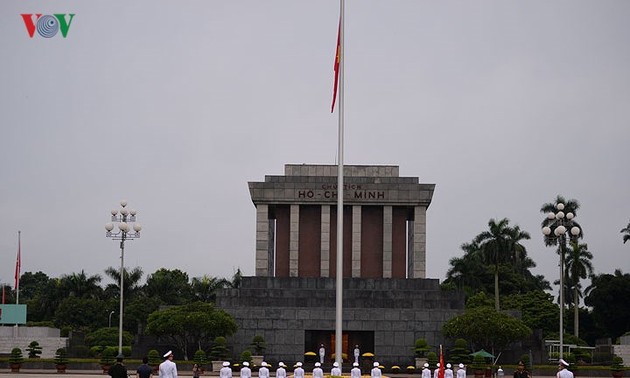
x=558 y=223
x=123 y=218
x=110 y=319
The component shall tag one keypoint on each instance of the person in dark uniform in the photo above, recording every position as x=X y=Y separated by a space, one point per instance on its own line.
x=144 y=370
x=118 y=370
x=521 y=372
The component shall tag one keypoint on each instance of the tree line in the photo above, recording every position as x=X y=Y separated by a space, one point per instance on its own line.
x=495 y=263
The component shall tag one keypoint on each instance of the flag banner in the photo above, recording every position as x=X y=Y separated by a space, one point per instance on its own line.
x=18 y=265
x=336 y=67
x=441 y=368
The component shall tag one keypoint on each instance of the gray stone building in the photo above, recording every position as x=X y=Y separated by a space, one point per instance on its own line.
x=387 y=300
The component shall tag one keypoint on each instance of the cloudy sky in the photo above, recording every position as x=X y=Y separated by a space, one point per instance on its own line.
x=175 y=105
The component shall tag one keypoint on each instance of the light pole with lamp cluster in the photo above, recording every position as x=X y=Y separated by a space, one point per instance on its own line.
x=555 y=231
x=122 y=217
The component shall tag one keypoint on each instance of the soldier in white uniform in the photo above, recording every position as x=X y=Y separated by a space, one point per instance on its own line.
x=263 y=372
x=335 y=371
x=226 y=371
x=563 y=372
x=426 y=372
x=322 y=353
x=357 y=353
x=461 y=372
x=375 y=372
x=281 y=372
x=448 y=372
x=437 y=370
x=246 y=372
x=355 y=372
x=168 y=369
x=317 y=371
x=298 y=372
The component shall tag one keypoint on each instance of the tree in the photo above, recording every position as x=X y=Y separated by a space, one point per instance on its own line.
x=170 y=286
x=538 y=310
x=32 y=284
x=626 y=233
x=579 y=267
x=81 y=313
x=80 y=285
x=205 y=288
x=107 y=337
x=191 y=325
x=486 y=328
x=501 y=244
x=608 y=296
x=131 y=280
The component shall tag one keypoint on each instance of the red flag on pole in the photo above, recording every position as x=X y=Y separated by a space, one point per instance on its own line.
x=336 y=67
x=441 y=369
x=18 y=265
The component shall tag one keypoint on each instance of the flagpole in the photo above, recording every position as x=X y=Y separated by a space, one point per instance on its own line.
x=18 y=266
x=339 y=272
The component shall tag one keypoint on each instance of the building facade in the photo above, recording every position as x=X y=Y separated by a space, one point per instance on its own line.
x=387 y=300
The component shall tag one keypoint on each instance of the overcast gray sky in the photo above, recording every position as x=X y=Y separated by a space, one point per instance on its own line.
x=176 y=105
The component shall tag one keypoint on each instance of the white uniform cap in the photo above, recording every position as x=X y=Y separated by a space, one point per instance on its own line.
x=245 y=363
x=263 y=363
x=225 y=363
x=563 y=362
x=438 y=364
x=461 y=366
x=168 y=353
x=299 y=364
x=448 y=366
x=281 y=364
x=355 y=364
x=336 y=364
x=318 y=364
x=375 y=364
x=426 y=365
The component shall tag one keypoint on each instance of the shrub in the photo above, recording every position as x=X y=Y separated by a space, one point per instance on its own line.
x=478 y=362
x=246 y=356
x=258 y=344
x=617 y=364
x=219 y=349
x=421 y=347
x=107 y=357
x=34 y=350
x=96 y=351
x=459 y=353
x=16 y=356
x=200 y=357
x=432 y=359
x=126 y=351
x=61 y=356
x=154 y=357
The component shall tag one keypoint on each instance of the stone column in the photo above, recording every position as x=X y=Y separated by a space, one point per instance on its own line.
x=387 y=241
x=356 y=241
x=325 y=242
x=419 y=242
x=294 y=238
x=262 y=242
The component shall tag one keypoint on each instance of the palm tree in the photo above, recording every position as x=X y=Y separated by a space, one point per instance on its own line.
x=81 y=286
x=579 y=267
x=131 y=280
x=205 y=288
x=626 y=233
x=500 y=244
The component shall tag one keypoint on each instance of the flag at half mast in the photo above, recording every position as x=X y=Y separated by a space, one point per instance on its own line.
x=336 y=67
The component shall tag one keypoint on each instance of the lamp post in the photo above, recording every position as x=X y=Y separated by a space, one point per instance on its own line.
x=122 y=217
x=558 y=223
x=110 y=319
